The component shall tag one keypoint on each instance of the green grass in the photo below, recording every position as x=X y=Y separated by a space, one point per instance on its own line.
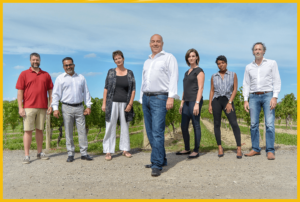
x=284 y=127
x=207 y=143
x=280 y=138
x=281 y=127
x=208 y=140
x=286 y=139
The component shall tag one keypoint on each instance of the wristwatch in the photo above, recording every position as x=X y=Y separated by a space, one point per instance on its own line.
x=197 y=102
x=230 y=102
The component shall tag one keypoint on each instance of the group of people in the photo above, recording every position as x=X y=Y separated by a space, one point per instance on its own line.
x=261 y=85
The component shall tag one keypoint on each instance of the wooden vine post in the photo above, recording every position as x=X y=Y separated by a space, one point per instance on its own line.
x=146 y=143
x=48 y=130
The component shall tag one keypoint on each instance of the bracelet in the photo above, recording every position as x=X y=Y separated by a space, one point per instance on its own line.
x=129 y=104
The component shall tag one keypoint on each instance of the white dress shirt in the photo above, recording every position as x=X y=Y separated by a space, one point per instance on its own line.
x=160 y=74
x=263 y=77
x=71 y=90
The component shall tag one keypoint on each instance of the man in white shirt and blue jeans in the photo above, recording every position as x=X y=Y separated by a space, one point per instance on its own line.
x=71 y=89
x=262 y=81
x=158 y=91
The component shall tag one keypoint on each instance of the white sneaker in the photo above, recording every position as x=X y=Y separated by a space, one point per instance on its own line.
x=42 y=156
x=26 y=160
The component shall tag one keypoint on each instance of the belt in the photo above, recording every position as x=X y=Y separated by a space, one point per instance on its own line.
x=154 y=94
x=73 y=105
x=259 y=93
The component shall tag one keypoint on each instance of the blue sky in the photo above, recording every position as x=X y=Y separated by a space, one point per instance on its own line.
x=89 y=33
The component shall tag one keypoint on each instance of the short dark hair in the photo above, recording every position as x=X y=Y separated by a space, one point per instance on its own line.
x=67 y=58
x=222 y=58
x=117 y=52
x=35 y=54
x=188 y=54
x=261 y=43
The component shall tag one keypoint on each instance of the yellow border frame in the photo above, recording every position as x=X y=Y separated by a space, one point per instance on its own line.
x=137 y=1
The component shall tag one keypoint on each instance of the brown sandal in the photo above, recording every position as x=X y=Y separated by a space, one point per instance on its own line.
x=108 y=157
x=126 y=154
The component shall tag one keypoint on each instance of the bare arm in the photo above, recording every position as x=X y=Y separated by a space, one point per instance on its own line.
x=132 y=98
x=200 y=79
x=182 y=101
x=211 y=95
x=20 y=103
x=181 y=104
x=49 y=111
x=129 y=106
x=235 y=84
x=104 y=100
x=50 y=96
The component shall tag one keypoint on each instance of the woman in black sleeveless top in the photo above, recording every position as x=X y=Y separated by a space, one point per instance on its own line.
x=191 y=103
x=118 y=98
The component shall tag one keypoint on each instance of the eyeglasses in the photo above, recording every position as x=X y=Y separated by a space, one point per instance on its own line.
x=70 y=65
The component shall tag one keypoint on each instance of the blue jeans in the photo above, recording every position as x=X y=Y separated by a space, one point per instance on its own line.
x=154 y=108
x=255 y=104
x=187 y=115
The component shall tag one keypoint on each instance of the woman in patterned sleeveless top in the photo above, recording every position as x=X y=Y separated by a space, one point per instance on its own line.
x=222 y=92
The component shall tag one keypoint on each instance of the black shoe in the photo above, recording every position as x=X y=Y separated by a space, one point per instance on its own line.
x=239 y=157
x=70 y=159
x=155 y=172
x=221 y=155
x=150 y=165
x=179 y=153
x=191 y=157
x=87 y=157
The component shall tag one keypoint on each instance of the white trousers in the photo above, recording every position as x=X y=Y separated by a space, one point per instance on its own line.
x=109 y=141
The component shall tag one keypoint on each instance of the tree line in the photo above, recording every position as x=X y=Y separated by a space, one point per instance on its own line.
x=285 y=110
x=96 y=119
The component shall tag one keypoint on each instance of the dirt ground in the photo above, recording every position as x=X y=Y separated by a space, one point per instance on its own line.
x=206 y=177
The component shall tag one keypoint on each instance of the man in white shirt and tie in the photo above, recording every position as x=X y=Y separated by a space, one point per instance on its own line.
x=262 y=81
x=158 y=91
x=71 y=89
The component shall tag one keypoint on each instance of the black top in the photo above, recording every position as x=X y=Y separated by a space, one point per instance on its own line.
x=121 y=89
x=190 y=84
x=110 y=85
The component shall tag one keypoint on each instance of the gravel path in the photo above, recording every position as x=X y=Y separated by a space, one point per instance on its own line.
x=205 y=177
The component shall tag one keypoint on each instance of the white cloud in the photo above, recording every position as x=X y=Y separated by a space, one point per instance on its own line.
x=227 y=29
x=9 y=99
x=91 y=55
x=55 y=74
x=92 y=73
x=19 y=67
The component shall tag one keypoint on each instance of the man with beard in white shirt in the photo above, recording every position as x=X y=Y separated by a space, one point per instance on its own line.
x=158 y=91
x=71 y=89
x=262 y=81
